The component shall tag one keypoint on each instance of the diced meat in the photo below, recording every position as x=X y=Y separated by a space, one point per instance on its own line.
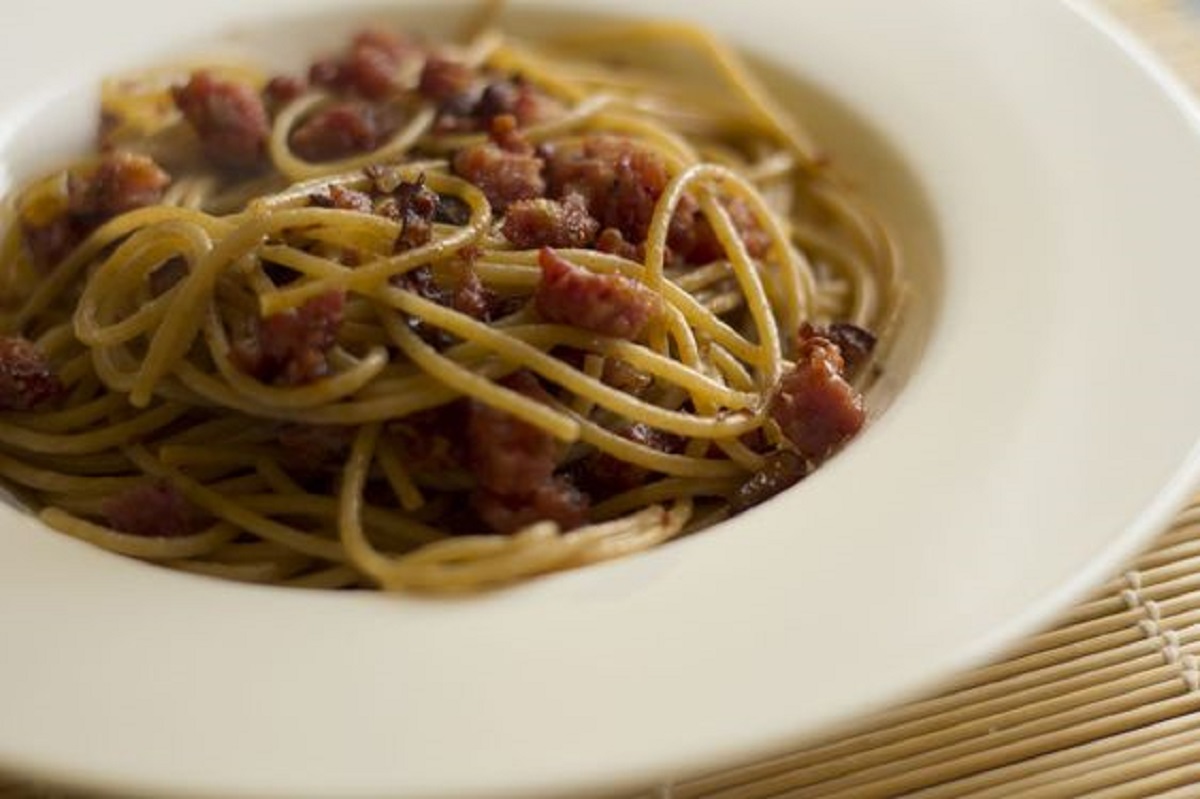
x=26 y=380
x=312 y=447
x=470 y=296
x=518 y=98
x=619 y=180
x=153 y=509
x=611 y=305
x=343 y=129
x=281 y=90
x=414 y=206
x=623 y=376
x=507 y=455
x=612 y=241
x=371 y=68
x=692 y=240
x=609 y=473
x=853 y=342
x=443 y=80
x=782 y=470
x=814 y=406
x=505 y=168
x=555 y=500
x=122 y=182
x=343 y=199
x=530 y=224
x=50 y=243
x=229 y=118
x=433 y=440
x=292 y=347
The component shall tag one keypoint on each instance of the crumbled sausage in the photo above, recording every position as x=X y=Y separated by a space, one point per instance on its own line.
x=612 y=305
x=26 y=380
x=504 y=168
x=782 y=470
x=530 y=224
x=292 y=347
x=609 y=473
x=281 y=90
x=343 y=129
x=556 y=500
x=152 y=509
x=814 y=406
x=507 y=455
x=853 y=342
x=371 y=67
x=229 y=118
x=443 y=80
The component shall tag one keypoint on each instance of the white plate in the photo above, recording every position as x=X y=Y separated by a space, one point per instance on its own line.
x=1047 y=430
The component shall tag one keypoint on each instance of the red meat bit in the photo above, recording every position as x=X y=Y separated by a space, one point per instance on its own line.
x=154 y=510
x=342 y=130
x=343 y=199
x=26 y=379
x=470 y=297
x=509 y=456
x=281 y=90
x=619 y=180
x=611 y=305
x=502 y=176
x=229 y=118
x=782 y=470
x=853 y=342
x=312 y=447
x=414 y=206
x=518 y=98
x=371 y=67
x=292 y=347
x=814 y=406
x=433 y=440
x=443 y=80
x=613 y=242
x=555 y=500
x=550 y=223
x=121 y=182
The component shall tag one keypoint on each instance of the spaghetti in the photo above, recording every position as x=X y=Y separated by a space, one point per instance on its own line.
x=433 y=317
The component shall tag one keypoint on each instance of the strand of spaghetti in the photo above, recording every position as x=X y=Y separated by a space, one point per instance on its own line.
x=728 y=64
x=269 y=572
x=335 y=577
x=478 y=387
x=366 y=277
x=69 y=269
x=399 y=479
x=664 y=490
x=354 y=540
x=227 y=455
x=319 y=392
x=687 y=377
x=73 y=417
x=57 y=481
x=499 y=265
x=296 y=168
x=13 y=435
x=730 y=367
x=225 y=508
x=412 y=532
x=576 y=117
x=610 y=547
x=750 y=280
x=279 y=480
x=593 y=367
x=298 y=194
x=118 y=278
x=554 y=370
x=139 y=546
x=653 y=459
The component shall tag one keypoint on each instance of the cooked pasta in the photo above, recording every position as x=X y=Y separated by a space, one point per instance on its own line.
x=434 y=316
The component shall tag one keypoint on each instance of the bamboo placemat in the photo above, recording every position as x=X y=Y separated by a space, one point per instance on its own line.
x=1105 y=705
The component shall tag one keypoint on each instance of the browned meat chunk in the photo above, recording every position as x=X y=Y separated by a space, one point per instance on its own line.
x=152 y=509
x=782 y=470
x=311 y=447
x=26 y=380
x=853 y=342
x=814 y=406
x=550 y=223
x=342 y=130
x=612 y=305
x=229 y=118
x=281 y=90
x=506 y=455
x=414 y=206
x=505 y=169
x=371 y=67
x=292 y=347
x=611 y=474
x=555 y=500
x=343 y=199
x=692 y=239
x=443 y=80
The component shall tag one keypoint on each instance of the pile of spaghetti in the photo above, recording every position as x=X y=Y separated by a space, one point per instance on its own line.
x=433 y=316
